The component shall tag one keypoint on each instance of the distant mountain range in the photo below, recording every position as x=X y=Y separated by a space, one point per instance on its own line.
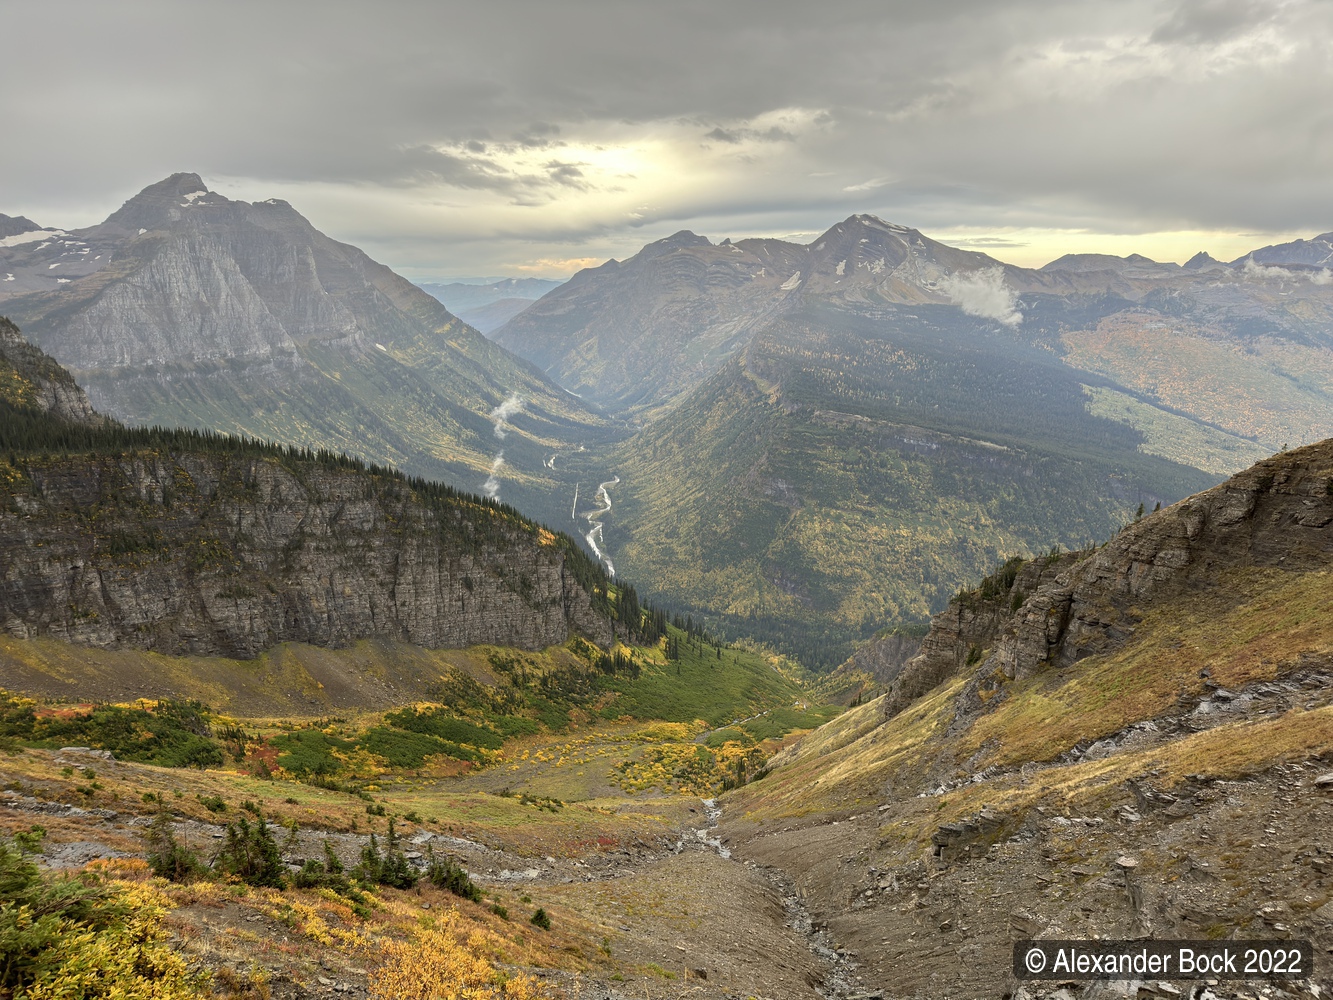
x=808 y=443
x=634 y=335
x=488 y=307
x=836 y=435
x=185 y=308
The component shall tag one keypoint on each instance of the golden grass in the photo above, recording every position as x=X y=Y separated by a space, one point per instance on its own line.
x=851 y=767
x=1228 y=752
x=291 y=681
x=1280 y=617
x=1253 y=627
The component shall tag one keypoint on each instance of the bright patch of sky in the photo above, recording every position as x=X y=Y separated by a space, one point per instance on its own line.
x=519 y=137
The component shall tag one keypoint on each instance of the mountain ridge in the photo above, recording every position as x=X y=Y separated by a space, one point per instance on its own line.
x=182 y=543
x=1151 y=762
x=187 y=308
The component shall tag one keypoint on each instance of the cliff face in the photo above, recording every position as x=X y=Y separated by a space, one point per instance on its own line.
x=1277 y=514
x=231 y=554
x=31 y=379
x=960 y=632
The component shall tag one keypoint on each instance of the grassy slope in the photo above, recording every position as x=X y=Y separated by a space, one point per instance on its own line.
x=1254 y=627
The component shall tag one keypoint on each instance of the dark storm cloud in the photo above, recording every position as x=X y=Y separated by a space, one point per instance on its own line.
x=735 y=136
x=779 y=116
x=1204 y=22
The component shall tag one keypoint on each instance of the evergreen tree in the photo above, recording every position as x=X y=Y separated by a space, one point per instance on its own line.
x=251 y=854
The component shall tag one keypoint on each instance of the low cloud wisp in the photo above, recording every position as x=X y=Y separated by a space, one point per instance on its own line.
x=491 y=488
x=509 y=408
x=983 y=293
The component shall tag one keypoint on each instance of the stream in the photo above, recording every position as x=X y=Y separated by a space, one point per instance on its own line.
x=594 y=535
x=840 y=981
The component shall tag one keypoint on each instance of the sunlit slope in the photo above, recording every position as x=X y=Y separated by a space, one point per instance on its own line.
x=846 y=473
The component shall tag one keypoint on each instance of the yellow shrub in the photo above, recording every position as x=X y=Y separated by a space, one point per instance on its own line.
x=448 y=962
x=128 y=961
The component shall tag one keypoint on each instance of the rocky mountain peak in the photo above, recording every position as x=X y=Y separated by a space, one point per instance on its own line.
x=1201 y=260
x=1316 y=251
x=676 y=241
x=16 y=225
x=865 y=227
x=159 y=204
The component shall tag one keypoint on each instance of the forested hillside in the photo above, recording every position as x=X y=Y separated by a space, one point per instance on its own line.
x=847 y=473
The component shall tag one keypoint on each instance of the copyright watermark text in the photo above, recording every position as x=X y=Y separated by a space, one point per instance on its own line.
x=1163 y=959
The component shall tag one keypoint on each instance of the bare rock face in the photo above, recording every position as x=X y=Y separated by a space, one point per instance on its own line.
x=1277 y=513
x=960 y=632
x=231 y=553
x=31 y=379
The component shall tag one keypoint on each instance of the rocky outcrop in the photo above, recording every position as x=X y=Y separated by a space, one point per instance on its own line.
x=32 y=379
x=228 y=552
x=961 y=633
x=1278 y=513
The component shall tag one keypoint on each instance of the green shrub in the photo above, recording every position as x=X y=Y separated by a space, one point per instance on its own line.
x=173 y=734
x=409 y=750
x=446 y=726
x=444 y=873
x=308 y=753
x=390 y=868
x=73 y=936
x=541 y=919
x=251 y=854
x=166 y=856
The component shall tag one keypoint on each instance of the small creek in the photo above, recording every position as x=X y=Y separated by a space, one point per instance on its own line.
x=840 y=981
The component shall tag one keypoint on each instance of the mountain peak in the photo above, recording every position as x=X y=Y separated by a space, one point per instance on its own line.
x=1102 y=262
x=684 y=238
x=1201 y=260
x=16 y=225
x=875 y=222
x=160 y=203
x=1316 y=251
x=676 y=241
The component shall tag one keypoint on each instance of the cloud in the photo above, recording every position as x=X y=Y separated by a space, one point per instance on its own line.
x=736 y=136
x=870 y=185
x=1252 y=270
x=491 y=488
x=1201 y=22
x=983 y=293
x=540 y=130
x=501 y=414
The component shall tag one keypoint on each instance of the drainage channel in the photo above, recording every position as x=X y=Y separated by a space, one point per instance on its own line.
x=841 y=981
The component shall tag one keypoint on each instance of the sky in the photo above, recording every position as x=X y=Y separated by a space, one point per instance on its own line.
x=531 y=137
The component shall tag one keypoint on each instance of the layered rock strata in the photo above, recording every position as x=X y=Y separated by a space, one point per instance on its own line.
x=218 y=553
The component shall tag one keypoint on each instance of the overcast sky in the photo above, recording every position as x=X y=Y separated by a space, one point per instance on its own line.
x=493 y=138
